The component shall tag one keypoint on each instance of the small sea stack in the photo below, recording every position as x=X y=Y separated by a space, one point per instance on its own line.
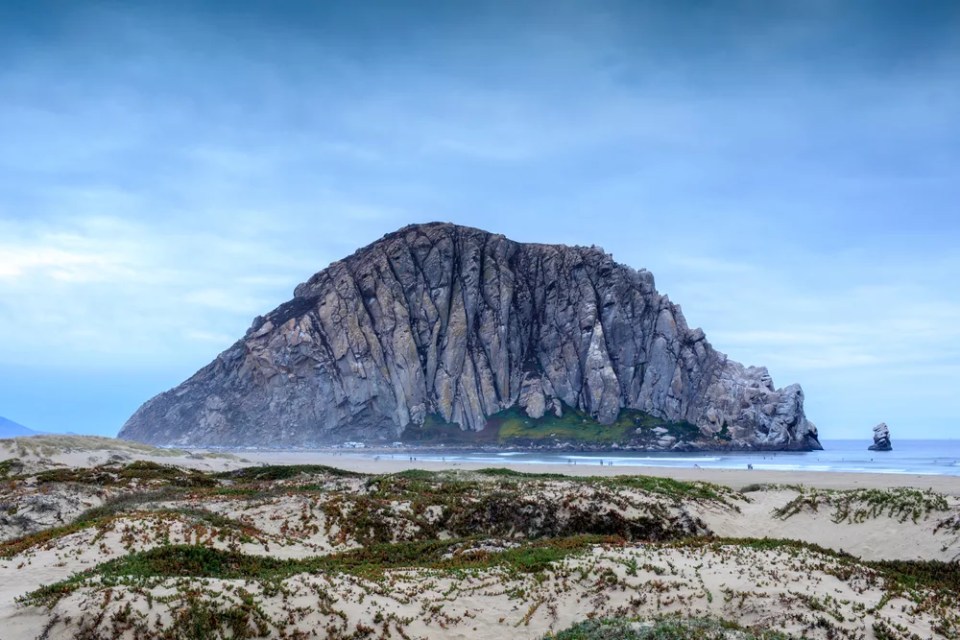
x=881 y=438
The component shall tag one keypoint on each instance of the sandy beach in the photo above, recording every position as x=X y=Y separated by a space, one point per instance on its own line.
x=456 y=542
x=734 y=478
x=85 y=452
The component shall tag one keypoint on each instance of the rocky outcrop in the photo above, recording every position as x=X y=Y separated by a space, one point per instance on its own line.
x=881 y=438
x=458 y=324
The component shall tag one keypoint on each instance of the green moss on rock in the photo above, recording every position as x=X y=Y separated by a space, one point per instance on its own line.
x=513 y=427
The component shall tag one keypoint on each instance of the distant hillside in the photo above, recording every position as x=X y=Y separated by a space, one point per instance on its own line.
x=10 y=429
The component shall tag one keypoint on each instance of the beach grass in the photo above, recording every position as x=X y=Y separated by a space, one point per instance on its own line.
x=859 y=505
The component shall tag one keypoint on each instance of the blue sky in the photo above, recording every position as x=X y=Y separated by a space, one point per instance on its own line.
x=789 y=171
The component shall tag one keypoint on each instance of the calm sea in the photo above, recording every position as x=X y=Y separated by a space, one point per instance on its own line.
x=934 y=457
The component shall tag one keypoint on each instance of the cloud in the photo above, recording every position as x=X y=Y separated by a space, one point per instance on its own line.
x=118 y=289
x=787 y=173
x=843 y=312
x=870 y=339
x=58 y=264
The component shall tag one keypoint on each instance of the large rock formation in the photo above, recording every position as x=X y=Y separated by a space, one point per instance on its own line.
x=438 y=322
x=881 y=438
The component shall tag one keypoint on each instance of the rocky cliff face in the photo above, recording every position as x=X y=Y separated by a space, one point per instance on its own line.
x=444 y=323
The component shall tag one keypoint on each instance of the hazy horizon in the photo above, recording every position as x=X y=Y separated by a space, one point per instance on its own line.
x=788 y=171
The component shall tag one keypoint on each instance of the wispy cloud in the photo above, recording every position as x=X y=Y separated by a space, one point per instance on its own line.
x=788 y=173
x=115 y=289
x=869 y=340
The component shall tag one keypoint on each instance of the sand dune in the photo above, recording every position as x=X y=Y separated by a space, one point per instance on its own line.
x=454 y=552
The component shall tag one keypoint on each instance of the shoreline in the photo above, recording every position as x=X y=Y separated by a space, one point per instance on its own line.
x=84 y=451
x=735 y=478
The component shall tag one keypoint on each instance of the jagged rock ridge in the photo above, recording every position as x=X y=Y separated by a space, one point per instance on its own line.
x=445 y=320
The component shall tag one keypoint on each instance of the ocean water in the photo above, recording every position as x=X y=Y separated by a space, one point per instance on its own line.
x=921 y=457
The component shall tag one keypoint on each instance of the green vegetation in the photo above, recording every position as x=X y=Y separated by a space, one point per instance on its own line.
x=127 y=502
x=174 y=561
x=921 y=574
x=464 y=505
x=451 y=527
x=859 y=505
x=514 y=427
x=907 y=575
x=663 y=629
x=500 y=472
x=436 y=431
x=676 y=489
x=199 y=618
x=949 y=524
x=495 y=529
x=10 y=467
x=169 y=482
x=49 y=445
x=443 y=557
x=723 y=434
x=124 y=475
x=10 y=548
x=104 y=516
x=269 y=473
x=493 y=502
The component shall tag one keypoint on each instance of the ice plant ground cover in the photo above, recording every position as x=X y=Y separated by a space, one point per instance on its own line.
x=143 y=549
